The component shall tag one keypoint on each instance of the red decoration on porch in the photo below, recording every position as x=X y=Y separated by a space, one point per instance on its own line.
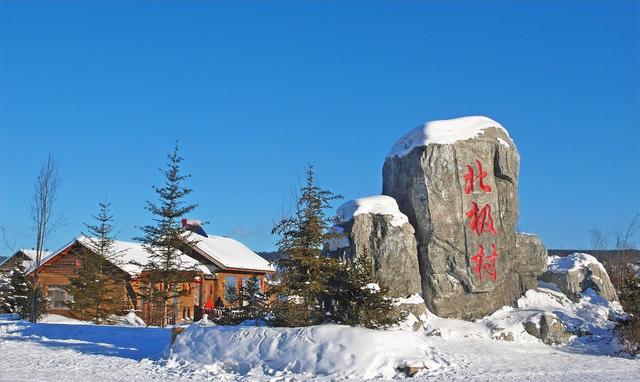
x=486 y=264
x=470 y=178
x=481 y=220
x=208 y=305
x=197 y=279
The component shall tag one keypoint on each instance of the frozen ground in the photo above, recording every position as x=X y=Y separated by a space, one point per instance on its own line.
x=62 y=349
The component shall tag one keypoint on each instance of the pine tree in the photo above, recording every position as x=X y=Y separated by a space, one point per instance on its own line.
x=303 y=297
x=97 y=285
x=6 y=291
x=21 y=291
x=252 y=302
x=166 y=240
x=359 y=300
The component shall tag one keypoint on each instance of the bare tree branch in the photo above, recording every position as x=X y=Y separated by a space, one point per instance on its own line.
x=42 y=208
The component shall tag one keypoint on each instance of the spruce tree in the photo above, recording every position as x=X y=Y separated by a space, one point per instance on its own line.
x=22 y=291
x=165 y=240
x=6 y=291
x=251 y=302
x=97 y=285
x=303 y=297
x=361 y=301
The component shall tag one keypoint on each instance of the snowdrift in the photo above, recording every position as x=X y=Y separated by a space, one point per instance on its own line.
x=338 y=351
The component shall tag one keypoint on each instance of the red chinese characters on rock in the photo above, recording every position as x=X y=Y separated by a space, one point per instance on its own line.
x=470 y=179
x=480 y=220
x=486 y=264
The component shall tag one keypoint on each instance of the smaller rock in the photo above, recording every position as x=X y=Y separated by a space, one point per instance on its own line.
x=414 y=310
x=501 y=334
x=548 y=328
x=576 y=273
x=410 y=370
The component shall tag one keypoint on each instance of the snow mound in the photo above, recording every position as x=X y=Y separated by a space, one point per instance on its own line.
x=129 y=319
x=590 y=320
x=573 y=262
x=325 y=350
x=446 y=131
x=375 y=205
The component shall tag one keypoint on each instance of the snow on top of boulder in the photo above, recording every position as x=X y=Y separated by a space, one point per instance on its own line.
x=446 y=131
x=375 y=205
x=572 y=262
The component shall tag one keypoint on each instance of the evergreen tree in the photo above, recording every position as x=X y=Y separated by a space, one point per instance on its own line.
x=6 y=291
x=166 y=240
x=21 y=291
x=252 y=303
x=303 y=297
x=359 y=300
x=97 y=285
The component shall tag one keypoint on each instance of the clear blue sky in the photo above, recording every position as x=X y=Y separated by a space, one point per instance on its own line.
x=255 y=90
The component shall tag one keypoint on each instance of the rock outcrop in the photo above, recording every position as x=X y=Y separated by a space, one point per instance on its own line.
x=457 y=182
x=548 y=328
x=576 y=273
x=374 y=227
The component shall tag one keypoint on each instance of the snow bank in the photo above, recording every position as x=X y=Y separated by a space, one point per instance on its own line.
x=129 y=319
x=324 y=350
x=591 y=320
x=444 y=132
x=375 y=205
x=573 y=262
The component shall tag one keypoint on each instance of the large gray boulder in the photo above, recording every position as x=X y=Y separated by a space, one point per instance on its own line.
x=457 y=182
x=532 y=259
x=375 y=228
x=576 y=273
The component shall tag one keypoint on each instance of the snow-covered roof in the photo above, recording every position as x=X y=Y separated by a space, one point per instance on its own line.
x=32 y=253
x=446 y=131
x=131 y=256
x=375 y=205
x=229 y=253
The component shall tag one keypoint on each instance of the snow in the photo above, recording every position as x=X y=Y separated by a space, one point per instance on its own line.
x=411 y=300
x=341 y=241
x=131 y=256
x=446 y=131
x=326 y=350
x=230 y=253
x=572 y=262
x=451 y=350
x=375 y=205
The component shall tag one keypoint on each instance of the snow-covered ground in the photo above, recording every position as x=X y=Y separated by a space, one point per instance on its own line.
x=63 y=349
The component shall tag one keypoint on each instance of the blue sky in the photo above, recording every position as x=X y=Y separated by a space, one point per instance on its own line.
x=255 y=90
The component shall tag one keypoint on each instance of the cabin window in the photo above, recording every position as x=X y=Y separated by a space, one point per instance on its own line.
x=230 y=287
x=58 y=296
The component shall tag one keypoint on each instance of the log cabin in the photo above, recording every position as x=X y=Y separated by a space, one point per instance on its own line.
x=217 y=266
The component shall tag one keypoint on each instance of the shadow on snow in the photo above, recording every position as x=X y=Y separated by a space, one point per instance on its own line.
x=119 y=341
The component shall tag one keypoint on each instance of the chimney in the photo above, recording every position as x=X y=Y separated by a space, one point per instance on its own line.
x=194 y=226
